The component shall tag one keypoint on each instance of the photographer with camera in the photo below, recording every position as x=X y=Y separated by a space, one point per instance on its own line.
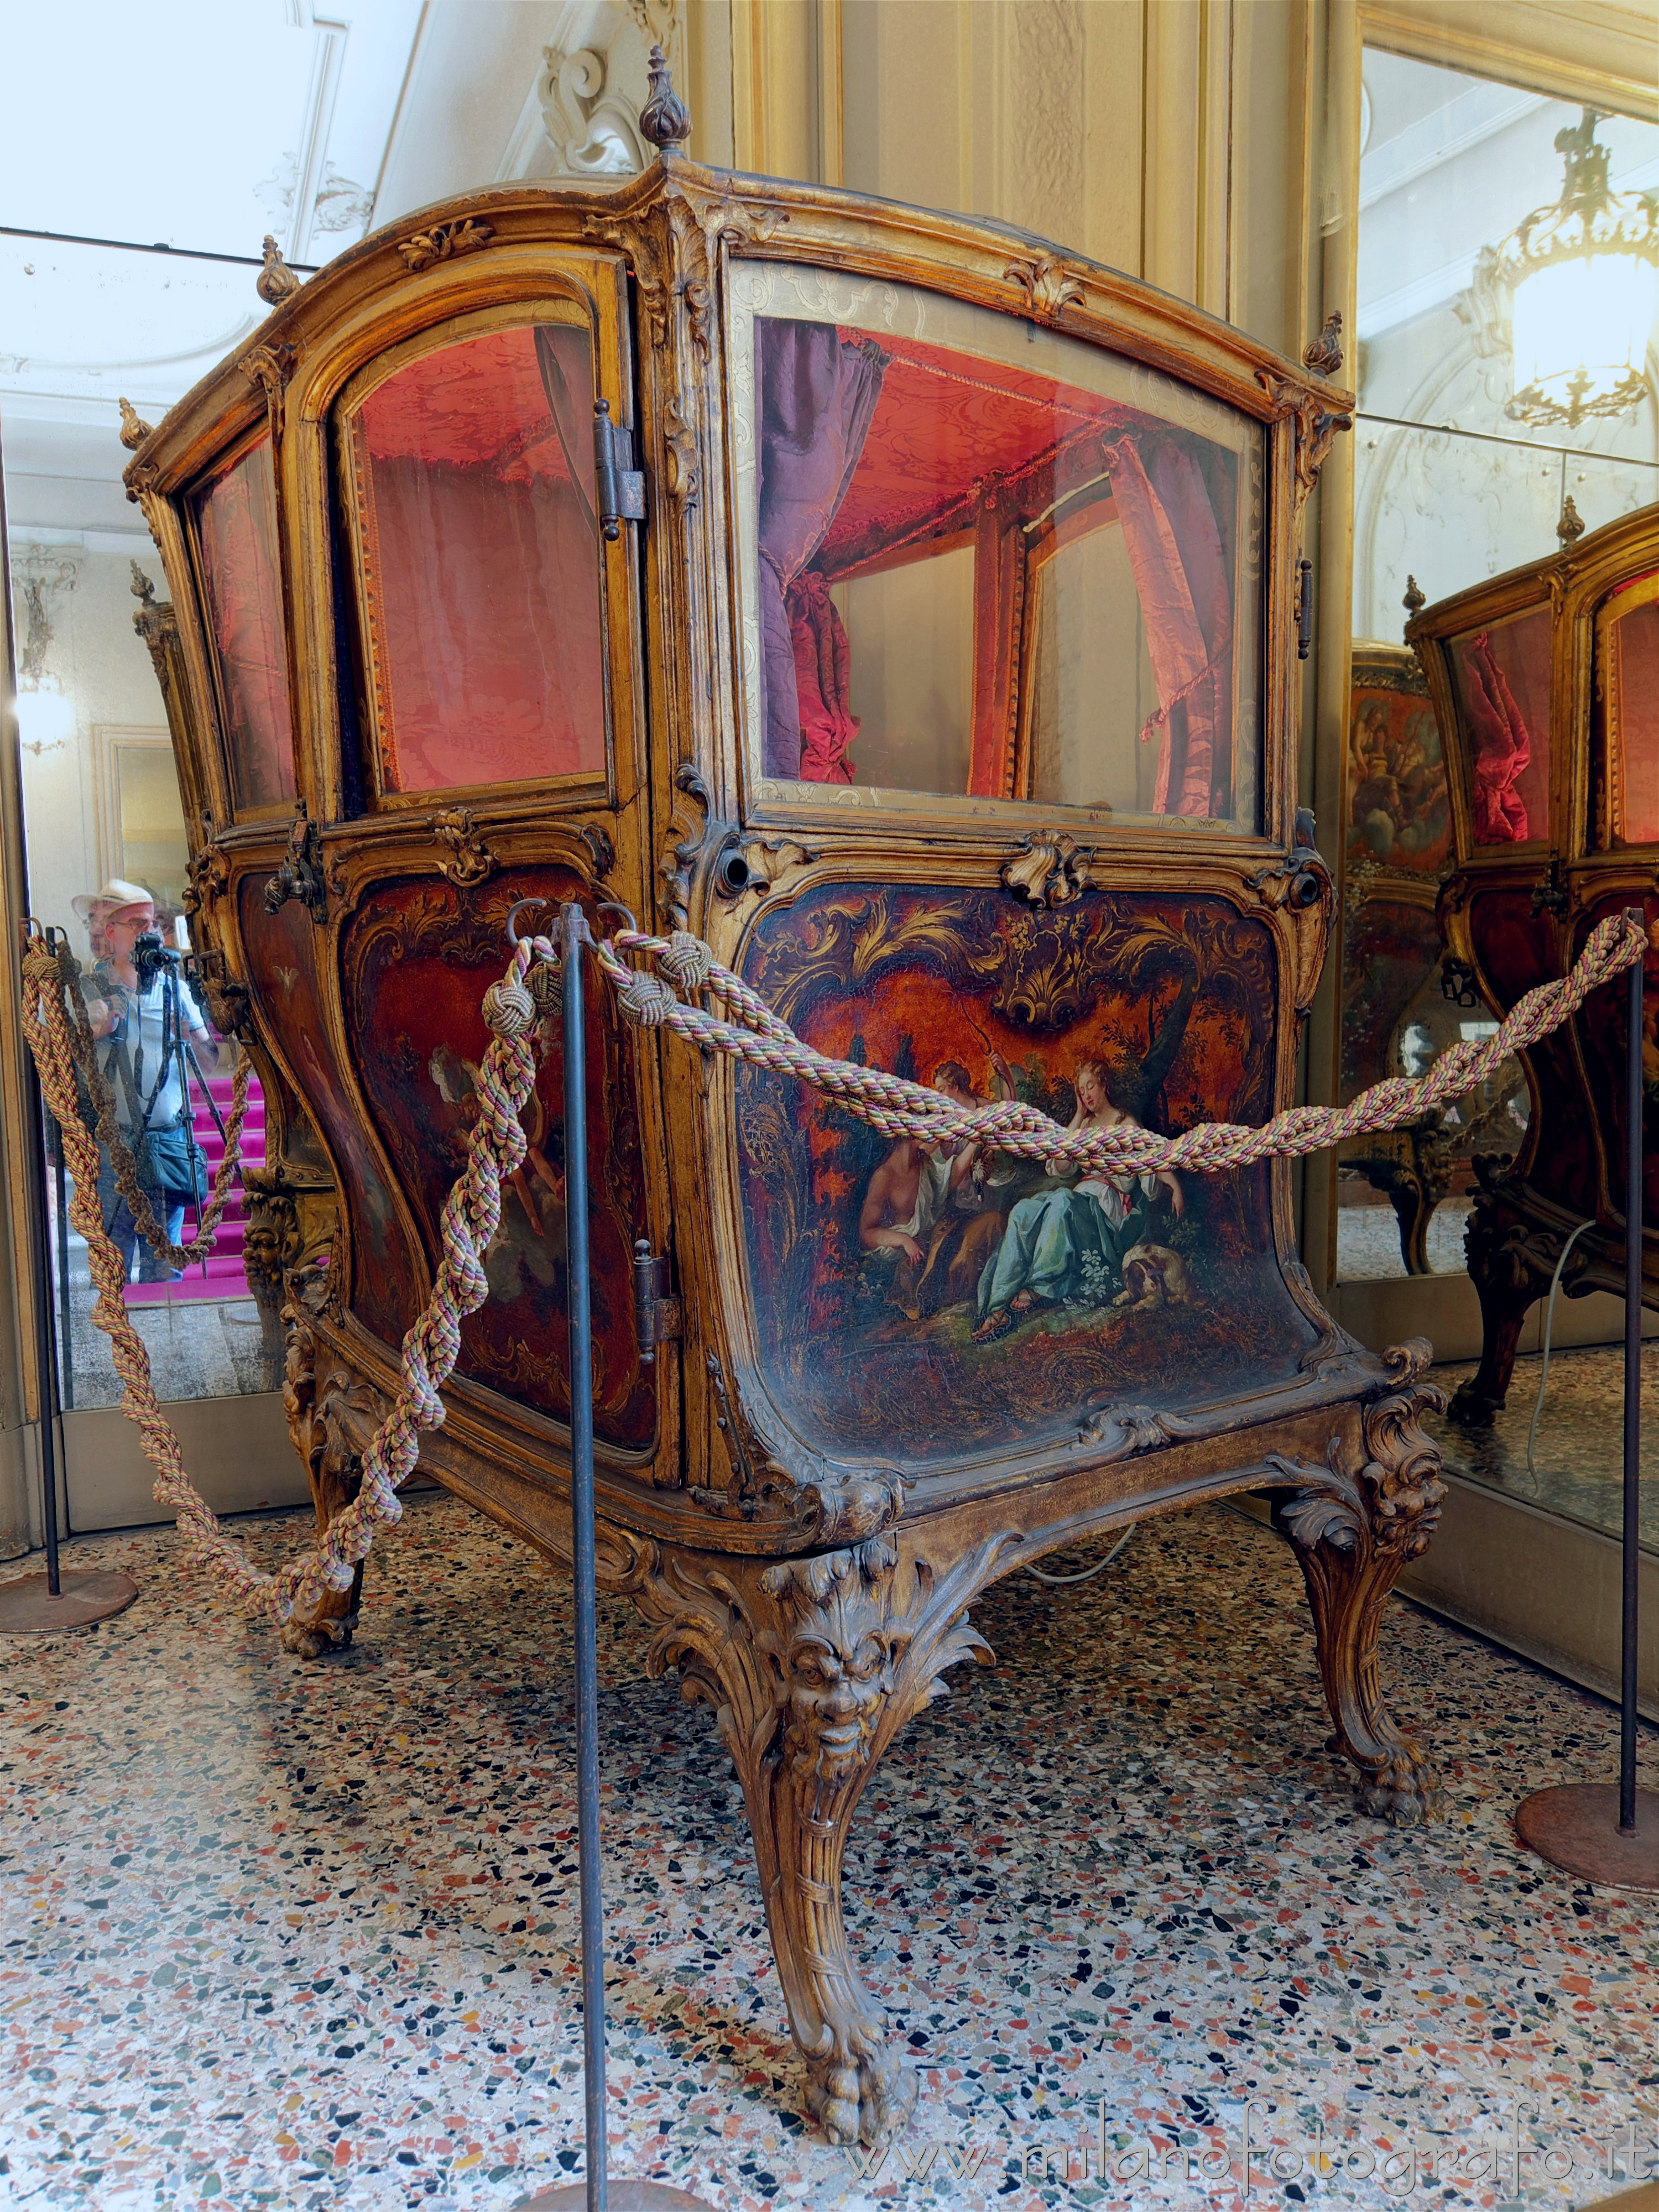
x=138 y=1003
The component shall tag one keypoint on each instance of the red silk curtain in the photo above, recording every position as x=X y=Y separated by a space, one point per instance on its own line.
x=236 y=517
x=1173 y=542
x=817 y=399
x=473 y=467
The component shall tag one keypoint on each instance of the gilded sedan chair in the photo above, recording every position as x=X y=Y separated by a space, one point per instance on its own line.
x=919 y=626
x=1546 y=681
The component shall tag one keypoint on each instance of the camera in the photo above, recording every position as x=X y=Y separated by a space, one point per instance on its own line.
x=149 y=956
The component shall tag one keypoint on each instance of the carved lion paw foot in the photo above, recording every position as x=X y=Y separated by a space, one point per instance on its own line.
x=1404 y=1791
x=867 y=2099
x=311 y=1639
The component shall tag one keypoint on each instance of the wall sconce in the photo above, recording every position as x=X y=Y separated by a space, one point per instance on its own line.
x=1585 y=279
x=45 y=714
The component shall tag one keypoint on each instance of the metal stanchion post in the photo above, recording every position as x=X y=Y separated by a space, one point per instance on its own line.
x=1604 y=1833
x=596 y=2193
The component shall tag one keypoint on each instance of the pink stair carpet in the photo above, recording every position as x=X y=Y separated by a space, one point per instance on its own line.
x=222 y=1276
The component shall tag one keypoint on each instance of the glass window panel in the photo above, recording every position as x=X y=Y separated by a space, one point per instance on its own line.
x=1503 y=678
x=987 y=562
x=236 y=519
x=1092 y=688
x=478 y=563
x=1632 y=679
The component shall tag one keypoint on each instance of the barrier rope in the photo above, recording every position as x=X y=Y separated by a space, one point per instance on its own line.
x=496 y=1147
x=899 y=1108
x=82 y=1046
x=471 y=1214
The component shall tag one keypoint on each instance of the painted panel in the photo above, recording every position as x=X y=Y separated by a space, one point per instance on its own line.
x=417 y=958
x=925 y=1306
x=282 y=953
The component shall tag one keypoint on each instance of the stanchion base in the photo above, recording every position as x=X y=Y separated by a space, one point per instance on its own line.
x=1576 y=1827
x=623 y=2194
x=28 y=1608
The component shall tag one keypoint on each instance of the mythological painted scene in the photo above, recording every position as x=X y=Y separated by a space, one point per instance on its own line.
x=417 y=961
x=941 y=1302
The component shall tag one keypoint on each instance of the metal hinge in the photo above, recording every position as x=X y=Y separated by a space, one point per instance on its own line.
x=619 y=487
x=656 y=1313
x=1303 y=609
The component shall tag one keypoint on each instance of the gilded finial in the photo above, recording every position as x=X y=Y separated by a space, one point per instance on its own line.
x=1415 y=600
x=664 y=119
x=141 y=586
x=1570 y=527
x=1324 y=356
x=134 y=429
x=275 y=282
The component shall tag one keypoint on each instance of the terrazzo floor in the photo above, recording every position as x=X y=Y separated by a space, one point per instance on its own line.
x=303 y=1935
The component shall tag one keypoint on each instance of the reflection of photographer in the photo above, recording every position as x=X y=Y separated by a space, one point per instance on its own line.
x=138 y=1002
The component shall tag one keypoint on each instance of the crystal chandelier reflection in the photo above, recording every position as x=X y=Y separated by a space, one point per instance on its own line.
x=1584 y=280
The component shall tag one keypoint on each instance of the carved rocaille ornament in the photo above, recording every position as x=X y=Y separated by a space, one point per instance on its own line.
x=467 y=859
x=301 y=876
x=443 y=242
x=1049 y=868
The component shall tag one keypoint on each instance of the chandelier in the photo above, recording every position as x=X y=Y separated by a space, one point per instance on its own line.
x=1584 y=280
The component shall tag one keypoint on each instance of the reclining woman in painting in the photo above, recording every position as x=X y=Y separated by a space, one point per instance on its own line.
x=937 y=1206
x=1044 y=1251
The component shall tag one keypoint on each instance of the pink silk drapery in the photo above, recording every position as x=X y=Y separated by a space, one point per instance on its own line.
x=1174 y=547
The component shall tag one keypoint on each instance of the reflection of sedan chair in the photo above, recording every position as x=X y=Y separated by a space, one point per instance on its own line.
x=947 y=686
x=1545 y=682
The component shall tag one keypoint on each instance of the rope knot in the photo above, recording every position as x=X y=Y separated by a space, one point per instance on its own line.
x=687 y=961
x=645 y=1000
x=509 y=1008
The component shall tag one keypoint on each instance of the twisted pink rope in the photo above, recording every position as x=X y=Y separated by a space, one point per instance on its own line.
x=901 y=1109
x=471 y=1214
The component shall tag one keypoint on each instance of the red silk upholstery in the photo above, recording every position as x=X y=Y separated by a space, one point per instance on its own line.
x=236 y=519
x=479 y=562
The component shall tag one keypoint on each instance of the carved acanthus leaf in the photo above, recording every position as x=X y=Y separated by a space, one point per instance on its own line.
x=444 y=242
x=1048 y=285
x=269 y=367
x=467 y=859
x=1316 y=426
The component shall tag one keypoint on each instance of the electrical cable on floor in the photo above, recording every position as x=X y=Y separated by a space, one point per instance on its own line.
x=1549 y=1324
x=1089 y=1573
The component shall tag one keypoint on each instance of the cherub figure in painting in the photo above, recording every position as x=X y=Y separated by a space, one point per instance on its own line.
x=938 y=1206
x=1043 y=1256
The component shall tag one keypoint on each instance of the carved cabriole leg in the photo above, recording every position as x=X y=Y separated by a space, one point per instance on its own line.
x=1511 y=1264
x=811 y=1666
x=1354 y=1525
x=328 y=1423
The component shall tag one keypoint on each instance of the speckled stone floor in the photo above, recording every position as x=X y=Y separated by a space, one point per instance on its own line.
x=303 y=1935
